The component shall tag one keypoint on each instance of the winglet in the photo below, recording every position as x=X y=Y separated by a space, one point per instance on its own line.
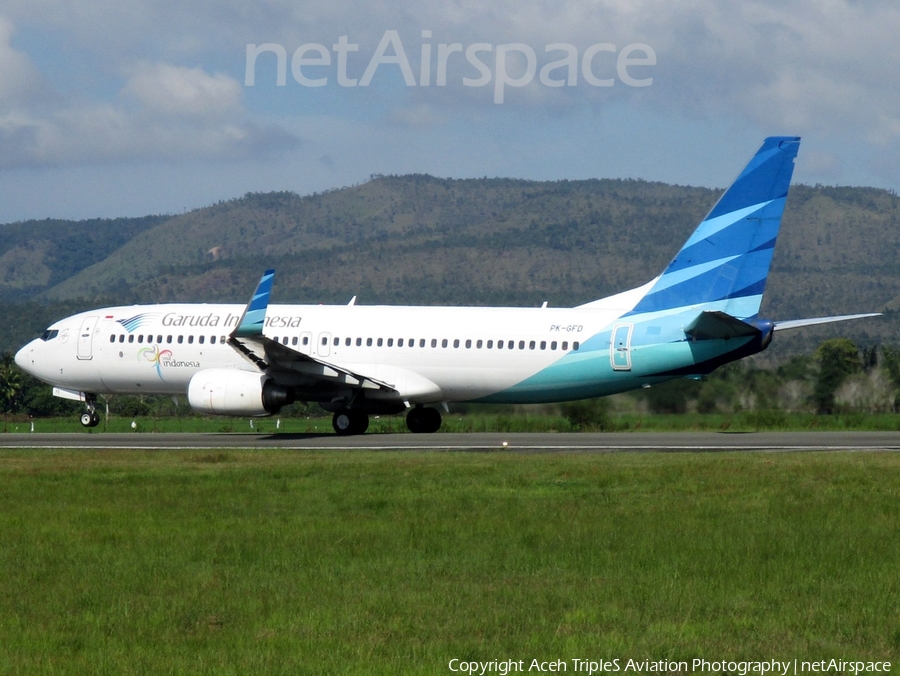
x=254 y=317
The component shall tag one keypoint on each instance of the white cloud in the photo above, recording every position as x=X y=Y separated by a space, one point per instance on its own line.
x=773 y=63
x=163 y=112
x=177 y=90
x=104 y=133
x=804 y=66
x=101 y=133
x=20 y=81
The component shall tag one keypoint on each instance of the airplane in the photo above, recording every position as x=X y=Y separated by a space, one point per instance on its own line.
x=354 y=360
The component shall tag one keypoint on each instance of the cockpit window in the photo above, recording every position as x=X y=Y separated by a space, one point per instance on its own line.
x=49 y=334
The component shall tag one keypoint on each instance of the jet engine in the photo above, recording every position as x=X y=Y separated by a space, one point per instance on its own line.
x=235 y=392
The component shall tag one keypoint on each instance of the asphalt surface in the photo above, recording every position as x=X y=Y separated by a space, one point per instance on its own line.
x=534 y=443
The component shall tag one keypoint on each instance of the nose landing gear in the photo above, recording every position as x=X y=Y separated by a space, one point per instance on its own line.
x=90 y=418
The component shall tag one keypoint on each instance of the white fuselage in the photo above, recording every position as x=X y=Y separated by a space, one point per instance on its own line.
x=430 y=353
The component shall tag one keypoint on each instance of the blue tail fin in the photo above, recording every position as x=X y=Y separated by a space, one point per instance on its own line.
x=726 y=260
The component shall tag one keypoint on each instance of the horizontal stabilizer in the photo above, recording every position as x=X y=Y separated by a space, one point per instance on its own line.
x=798 y=323
x=710 y=325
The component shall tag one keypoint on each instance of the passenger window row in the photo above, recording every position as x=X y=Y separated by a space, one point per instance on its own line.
x=294 y=341
x=168 y=340
x=434 y=342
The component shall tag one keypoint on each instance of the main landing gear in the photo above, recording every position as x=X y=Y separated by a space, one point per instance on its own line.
x=90 y=418
x=349 y=421
x=423 y=420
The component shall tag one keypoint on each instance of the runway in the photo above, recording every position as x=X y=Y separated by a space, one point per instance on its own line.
x=700 y=442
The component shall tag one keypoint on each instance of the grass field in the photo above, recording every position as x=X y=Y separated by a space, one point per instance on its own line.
x=119 y=562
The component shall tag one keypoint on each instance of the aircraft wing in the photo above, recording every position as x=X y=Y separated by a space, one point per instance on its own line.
x=270 y=356
x=798 y=323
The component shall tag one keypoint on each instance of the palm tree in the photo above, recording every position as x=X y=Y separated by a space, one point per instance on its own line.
x=10 y=386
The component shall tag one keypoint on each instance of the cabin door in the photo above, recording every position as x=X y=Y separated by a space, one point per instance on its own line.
x=86 y=338
x=620 y=350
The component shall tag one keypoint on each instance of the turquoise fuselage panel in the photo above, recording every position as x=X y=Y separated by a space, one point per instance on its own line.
x=589 y=373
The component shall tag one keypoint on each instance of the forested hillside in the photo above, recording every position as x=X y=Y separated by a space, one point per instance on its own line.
x=37 y=255
x=420 y=239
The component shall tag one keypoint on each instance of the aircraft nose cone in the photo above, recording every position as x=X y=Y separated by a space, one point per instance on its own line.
x=23 y=360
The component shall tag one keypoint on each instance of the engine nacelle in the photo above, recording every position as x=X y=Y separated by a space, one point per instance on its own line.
x=236 y=392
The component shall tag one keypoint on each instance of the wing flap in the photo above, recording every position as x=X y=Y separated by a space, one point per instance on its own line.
x=278 y=357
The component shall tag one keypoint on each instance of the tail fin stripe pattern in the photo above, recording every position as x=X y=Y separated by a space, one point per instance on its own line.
x=728 y=255
x=687 y=274
x=739 y=237
x=755 y=289
x=746 y=187
x=713 y=285
x=711 y=226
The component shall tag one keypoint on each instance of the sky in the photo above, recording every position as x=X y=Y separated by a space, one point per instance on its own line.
x=130 y=107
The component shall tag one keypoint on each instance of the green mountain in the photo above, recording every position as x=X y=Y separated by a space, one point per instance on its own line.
x=37 y=255
x=420 y=239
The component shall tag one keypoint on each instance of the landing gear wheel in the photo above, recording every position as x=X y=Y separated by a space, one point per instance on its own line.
x=90 y=418
x=360 y=422
x=346 y=422
x=414 y=420
x=342 y=422
x=423 y=420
